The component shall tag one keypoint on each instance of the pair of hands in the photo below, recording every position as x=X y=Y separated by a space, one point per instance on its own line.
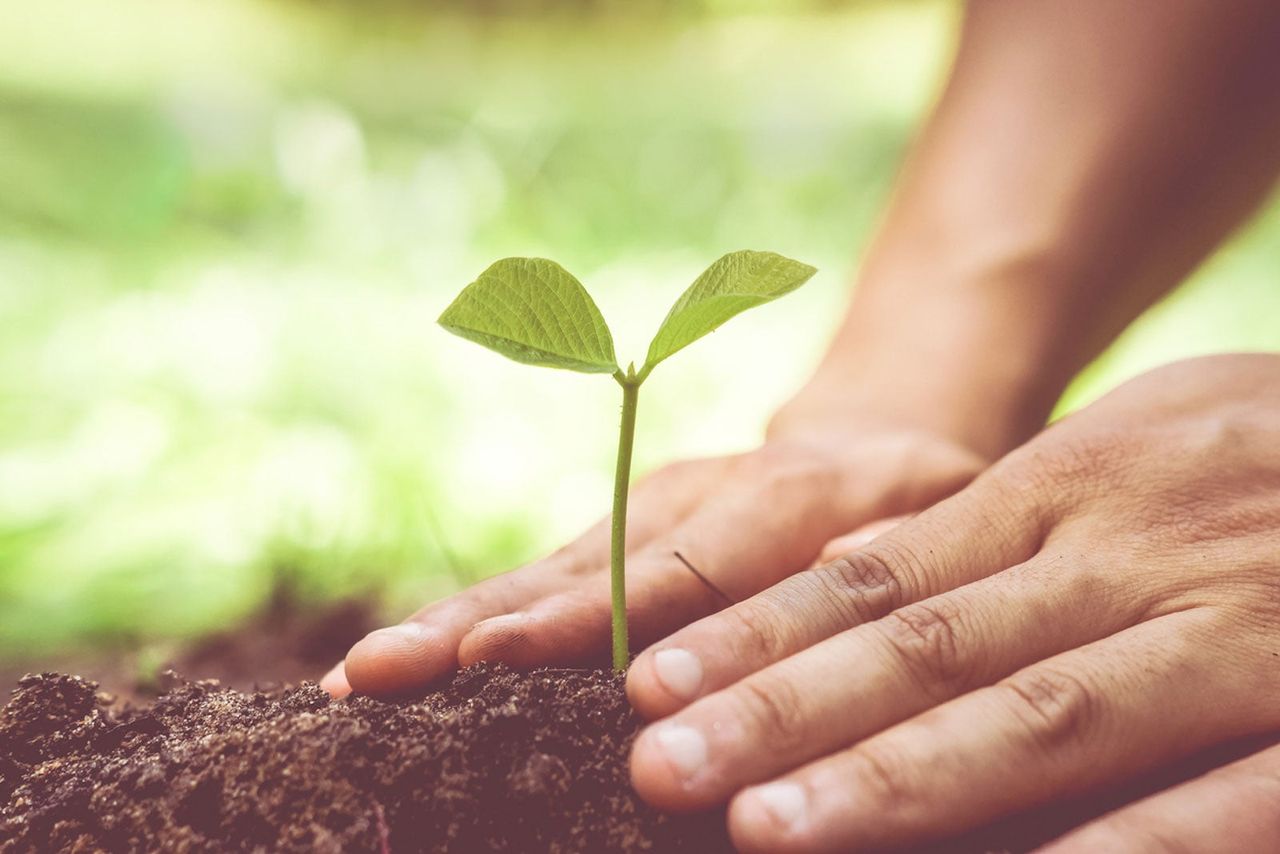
x=1101 y=601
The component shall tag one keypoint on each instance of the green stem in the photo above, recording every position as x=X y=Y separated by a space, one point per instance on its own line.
x=618 y=547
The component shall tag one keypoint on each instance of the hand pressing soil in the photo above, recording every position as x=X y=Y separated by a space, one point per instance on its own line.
x=497 y=761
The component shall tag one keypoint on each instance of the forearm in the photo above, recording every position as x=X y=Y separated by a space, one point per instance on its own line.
x=1085 y=156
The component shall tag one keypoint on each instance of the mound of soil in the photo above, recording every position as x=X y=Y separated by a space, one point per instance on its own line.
x=497 y=761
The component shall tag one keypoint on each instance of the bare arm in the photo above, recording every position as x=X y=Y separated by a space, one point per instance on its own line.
x=1085 y=156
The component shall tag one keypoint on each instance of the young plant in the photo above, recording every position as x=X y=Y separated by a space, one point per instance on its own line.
x=533 y=311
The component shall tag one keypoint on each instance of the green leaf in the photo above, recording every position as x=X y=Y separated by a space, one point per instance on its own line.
x=532 y=310
x=735 y=283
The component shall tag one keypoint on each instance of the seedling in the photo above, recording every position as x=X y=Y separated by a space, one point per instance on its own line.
x=533 y=311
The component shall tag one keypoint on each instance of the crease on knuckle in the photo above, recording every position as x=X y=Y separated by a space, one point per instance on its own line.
x=758 y=629
x=774 y=709
x=883 y=779
x=1259 y=593
x=864 y=584
x=1056 y=707
x=925 y=639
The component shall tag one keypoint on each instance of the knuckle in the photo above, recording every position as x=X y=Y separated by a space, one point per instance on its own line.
x=865 y=584
x=1070 y=466
x=1245 y=631
x=773 y=707
x=1261 y=588
x=781 y=470
x=884 y=777
x=925 y=637
x=758 y=630
x=1057 y=708
x=1221 y=513
x=1246 y=591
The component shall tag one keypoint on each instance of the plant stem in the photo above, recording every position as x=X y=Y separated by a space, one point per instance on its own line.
x=618 y=546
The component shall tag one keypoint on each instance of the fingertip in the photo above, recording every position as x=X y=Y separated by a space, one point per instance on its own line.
x=398 y=659
x=335 y=681
x=772 y=817
x=661 y=682
x=664 y=759
x=643 y=692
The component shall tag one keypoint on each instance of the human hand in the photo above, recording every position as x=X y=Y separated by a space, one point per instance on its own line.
x=744 y=522
x=1231 y=807
x=1102 y=600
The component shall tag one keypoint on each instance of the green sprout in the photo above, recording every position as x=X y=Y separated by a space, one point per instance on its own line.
x=533 y=311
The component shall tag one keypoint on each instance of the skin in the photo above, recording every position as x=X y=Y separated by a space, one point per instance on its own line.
x=1236 y=803
x=557 y=610
x=1100 y=600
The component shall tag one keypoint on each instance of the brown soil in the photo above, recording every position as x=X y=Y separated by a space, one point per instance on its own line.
x=497 y=761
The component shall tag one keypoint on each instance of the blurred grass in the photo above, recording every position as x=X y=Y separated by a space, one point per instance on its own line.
x=226 y=231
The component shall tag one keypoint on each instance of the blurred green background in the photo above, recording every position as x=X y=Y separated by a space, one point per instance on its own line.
x=226 y=230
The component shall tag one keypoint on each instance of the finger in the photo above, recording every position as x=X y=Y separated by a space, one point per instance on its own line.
x=739 y=542
x=765 y=522
x=974 y=534
x=335 y=681
x=424 y=647
x=1057 y=729
x=574 y=628
x=1235 y=808
x=915 y=658
x=858 y=538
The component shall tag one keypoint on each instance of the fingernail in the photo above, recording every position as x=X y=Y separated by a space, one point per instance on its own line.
x=399 y=638
x=502 y=620
x=679 y=671
x=858 y=540
x=786 y=803
x=402 y=633
x=684 y=747
x=335 y=681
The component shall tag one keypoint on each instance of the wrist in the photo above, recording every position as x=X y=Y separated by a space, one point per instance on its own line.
x=974 y=357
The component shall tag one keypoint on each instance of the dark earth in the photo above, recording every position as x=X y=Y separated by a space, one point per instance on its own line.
x=496 y=761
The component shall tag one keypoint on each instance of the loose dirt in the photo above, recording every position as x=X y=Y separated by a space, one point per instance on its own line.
x=496 y=761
